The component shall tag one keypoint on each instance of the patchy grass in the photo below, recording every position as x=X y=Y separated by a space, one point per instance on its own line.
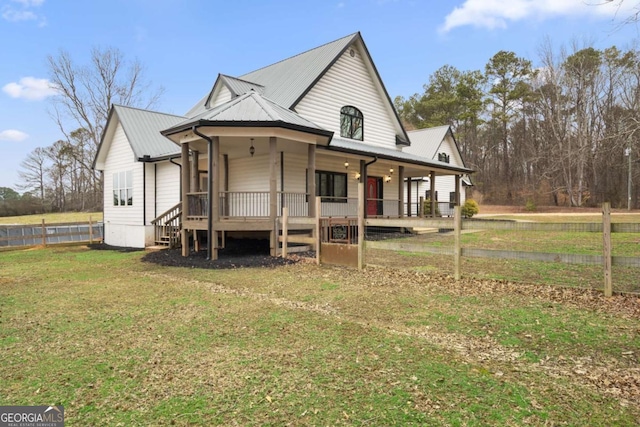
x=52 y=218
x=121 y=342
x=624 y=279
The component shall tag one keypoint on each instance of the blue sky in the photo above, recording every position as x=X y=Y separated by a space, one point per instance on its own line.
x=184 y=44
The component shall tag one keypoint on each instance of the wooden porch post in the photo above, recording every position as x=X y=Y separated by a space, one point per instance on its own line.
x=214 y=203
x=195 y=179
x=311 y=178
x=409 y=197
x=457 y=190
x=363 y=180
x=432 y=193
x=184 y=157
x=273 y=193
x=401 y=191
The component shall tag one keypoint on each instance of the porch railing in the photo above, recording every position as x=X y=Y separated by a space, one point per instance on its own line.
x=342 y=207
x=243 y=204
x=442 y=209
x=296 y=202
x=255 y=204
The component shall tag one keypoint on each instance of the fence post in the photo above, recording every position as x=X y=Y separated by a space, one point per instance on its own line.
x=606 y=247
x=90 y=231
x=44 y=234
x=285 y=230
x=318 y=231
x=457 y=230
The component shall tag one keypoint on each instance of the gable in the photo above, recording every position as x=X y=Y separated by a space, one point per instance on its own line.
x=430 y=142
x=142 y=129
x=352 y=81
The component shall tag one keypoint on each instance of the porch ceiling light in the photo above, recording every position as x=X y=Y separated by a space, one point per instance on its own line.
x=346 y=164
x=391 y=171
x=252 y=149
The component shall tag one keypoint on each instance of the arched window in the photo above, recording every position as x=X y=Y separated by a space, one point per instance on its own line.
x=351 y=123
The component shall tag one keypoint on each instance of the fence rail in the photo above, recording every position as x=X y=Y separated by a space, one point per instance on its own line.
x=50 y=234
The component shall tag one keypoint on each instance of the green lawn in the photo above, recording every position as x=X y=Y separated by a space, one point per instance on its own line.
x=52 y=218
x=118 y=341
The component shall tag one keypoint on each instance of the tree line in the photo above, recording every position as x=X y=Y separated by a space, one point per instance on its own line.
x=558 y=133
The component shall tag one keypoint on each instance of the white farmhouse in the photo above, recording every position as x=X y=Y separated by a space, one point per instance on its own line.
x=315 y=124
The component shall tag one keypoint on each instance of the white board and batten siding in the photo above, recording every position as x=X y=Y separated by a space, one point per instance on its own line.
x=349 y=82
x=123 y=225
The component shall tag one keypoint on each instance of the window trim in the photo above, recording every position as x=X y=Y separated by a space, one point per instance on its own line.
x=122 y=190
x=352 y=115
x=332 y=197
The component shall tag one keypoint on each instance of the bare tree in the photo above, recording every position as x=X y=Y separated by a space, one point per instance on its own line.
x=85 y=95
x=33 y=173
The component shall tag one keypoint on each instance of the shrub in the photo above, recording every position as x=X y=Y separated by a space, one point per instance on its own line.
x=470 y=208
x=530 y=206
x=426 y=208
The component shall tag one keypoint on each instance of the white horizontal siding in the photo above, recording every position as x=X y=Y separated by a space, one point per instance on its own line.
x=120 y=158
x=348 y=82
x=168 y=186
x=223 y=96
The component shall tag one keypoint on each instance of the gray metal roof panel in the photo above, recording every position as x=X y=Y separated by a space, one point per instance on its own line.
x=249 y=107
x=143 y=127
x=286 y=80
x=425 y=142
x=402 y=156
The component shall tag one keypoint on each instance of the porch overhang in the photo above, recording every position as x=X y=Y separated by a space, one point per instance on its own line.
x=414 y=165
x=247 y=129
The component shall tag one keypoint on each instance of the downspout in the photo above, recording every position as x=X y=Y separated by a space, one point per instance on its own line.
x=144 y=159
x=194 y=129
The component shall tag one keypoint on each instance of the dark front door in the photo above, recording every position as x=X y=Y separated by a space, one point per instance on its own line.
x=373 y=194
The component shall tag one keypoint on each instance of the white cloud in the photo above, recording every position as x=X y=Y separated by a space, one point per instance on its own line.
x=13 y=135
x=23 y=12
x=13 y=15
x=493 y=14
x=27 y=3
x=30 y=88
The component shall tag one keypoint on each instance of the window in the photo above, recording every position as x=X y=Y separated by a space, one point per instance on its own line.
x=443 y=157
x=351 y=123
x=123 y=188
x=331 y=186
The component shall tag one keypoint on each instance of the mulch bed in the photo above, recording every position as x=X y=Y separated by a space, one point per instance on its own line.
x=236 y=254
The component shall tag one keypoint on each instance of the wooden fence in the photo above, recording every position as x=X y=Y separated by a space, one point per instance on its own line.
x=16 y=236
x=456 y=225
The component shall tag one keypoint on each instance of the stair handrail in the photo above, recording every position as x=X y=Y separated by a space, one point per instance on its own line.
x=157 y=220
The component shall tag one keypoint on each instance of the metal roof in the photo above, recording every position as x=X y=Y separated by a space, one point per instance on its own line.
x=349 y=146
x=425 y=142
x=286 y=81
x=143 y=127
x=250 y=107
x=239 y=86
